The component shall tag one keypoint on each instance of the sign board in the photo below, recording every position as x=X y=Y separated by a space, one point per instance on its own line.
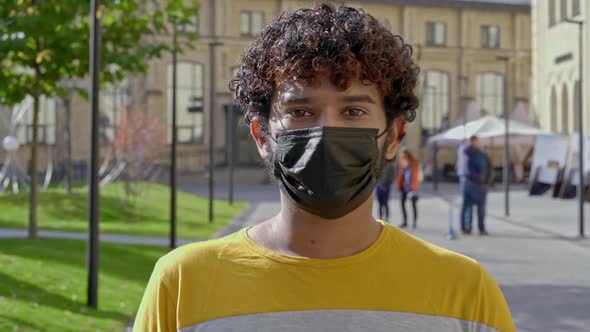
x=195 y=105
x=572 y=160
x=549 y=156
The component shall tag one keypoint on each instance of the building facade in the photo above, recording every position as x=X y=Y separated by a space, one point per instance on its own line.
x=464 y=49
x=556 y=62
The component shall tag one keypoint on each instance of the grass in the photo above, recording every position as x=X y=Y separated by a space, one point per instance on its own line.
x=43 y=285
x=149 y=215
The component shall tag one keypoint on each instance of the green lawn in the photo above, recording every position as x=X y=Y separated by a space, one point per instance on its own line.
x=68 y=212
x=43 y=285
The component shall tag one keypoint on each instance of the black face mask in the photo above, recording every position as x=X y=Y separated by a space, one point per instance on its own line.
x=327 y=171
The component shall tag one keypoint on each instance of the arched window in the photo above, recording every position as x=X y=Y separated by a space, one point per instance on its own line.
x=551 y=12
x=563 y=10
x=189 y=102
x=435 y=100
x=564 y=111
x=553 y=110
x=490 y=94
x=576 y=8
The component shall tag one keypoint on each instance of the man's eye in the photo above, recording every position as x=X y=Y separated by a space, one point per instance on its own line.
x=299 y=113
x=353 y=112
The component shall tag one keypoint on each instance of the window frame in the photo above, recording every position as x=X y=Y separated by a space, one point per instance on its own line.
x=485 y=36
x=249 y=14
x=563 y=10
x=431 y=34
x=195 y=90
x=119 y=92
x=437 y=114
x=193 y=27
x=552 y=11
x=24 y=130
x=482 y=95
x=576 y=8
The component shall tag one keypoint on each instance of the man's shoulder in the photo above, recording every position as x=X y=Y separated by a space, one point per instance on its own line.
x=442 y=272
x=197 y=255
x=440 y=260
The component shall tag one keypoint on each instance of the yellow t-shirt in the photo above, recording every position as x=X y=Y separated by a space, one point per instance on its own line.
x=399 y=283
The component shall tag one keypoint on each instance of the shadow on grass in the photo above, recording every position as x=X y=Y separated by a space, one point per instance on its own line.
x=29 y=293
x=112 y=208
x=128 y=262
x=18 y=322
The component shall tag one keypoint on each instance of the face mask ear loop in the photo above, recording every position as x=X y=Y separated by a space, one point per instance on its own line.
x=384 y=132
x=400 y=128
x=282 y=127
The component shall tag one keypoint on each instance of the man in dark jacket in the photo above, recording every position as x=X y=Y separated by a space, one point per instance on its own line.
x=476 y=179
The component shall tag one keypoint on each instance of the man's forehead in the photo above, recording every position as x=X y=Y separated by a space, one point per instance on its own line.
x=289 y=90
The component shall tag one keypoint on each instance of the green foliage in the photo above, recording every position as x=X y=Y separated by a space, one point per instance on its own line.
x=50 y=38
x=61 y=211
x=43 y=285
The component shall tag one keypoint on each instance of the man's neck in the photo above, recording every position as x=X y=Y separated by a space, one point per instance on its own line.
x=296 y=232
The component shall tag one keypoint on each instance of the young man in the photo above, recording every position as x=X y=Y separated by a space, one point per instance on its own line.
x=477 y=177
x=326 y=92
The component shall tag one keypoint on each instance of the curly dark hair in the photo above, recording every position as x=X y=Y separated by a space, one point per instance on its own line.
x=343 y=42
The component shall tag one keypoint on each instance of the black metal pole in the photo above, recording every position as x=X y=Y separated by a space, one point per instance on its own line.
x=173 y=146
x=581 y=153
x=68 y=141
x=506 y=167
x=212 y=45
x=506 y=162
x=435 y=168
x=581 y=184
x=93 y=197
x=230 y=147
x=211 y=128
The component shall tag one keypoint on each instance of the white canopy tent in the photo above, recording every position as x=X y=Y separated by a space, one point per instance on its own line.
x=490 y=131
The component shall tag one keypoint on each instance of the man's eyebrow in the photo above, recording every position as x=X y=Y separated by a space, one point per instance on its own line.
x=295 y=100
x=359 y=98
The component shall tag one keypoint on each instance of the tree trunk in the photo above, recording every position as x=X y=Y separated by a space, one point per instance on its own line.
x=68 y=143
x=34 y=177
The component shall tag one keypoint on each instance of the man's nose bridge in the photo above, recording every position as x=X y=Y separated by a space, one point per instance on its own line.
x=329 y=117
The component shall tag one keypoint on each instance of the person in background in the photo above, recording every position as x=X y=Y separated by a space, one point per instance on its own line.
x=383 y=190
x=475 y=183
x=408 y=183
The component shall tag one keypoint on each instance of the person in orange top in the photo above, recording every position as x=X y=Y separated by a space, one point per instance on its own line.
x=408 y=183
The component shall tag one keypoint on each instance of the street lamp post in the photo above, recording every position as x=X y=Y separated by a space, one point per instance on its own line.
x=173 y=145
x=435 y=159
x=212 y=109
x=230 y=147
x=506 y=167
x=93 y=197
x=581 y=130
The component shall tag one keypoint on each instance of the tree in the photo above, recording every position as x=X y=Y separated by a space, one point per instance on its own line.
x=44 y=42
x=138 y=146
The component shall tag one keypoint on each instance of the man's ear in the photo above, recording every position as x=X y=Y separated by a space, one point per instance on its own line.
x=394 y=138
x=260 y=138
